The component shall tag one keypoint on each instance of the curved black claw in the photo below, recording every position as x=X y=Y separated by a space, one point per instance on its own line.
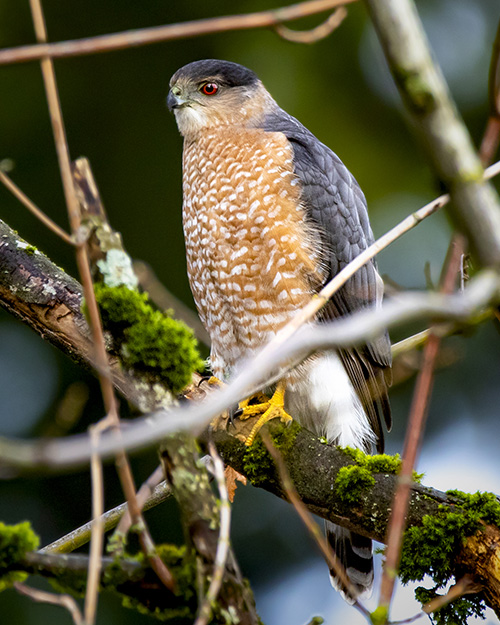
x=204 y=378
x=234 y=413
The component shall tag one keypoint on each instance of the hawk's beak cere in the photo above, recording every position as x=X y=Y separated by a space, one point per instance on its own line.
x=174 y=99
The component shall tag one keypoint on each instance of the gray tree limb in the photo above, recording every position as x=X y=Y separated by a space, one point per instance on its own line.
x=475 y=207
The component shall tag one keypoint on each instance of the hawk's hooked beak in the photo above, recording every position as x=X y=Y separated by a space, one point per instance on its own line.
x=175 y=99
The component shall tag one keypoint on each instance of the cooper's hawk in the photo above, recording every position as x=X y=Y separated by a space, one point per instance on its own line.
x=270 y=215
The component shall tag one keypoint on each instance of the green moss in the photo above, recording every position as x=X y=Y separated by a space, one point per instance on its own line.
x=485 y=506
x=456 y=613
x=351 y=482
x=165 y=347
x=150 y=342
x=379 y=463
x=430 y=549
x=15 y=541
x=31 y=250
x=257 y=463
x=120 y=306
x=379 y=616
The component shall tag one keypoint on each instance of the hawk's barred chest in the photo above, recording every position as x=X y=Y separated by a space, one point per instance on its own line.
x=252 y=260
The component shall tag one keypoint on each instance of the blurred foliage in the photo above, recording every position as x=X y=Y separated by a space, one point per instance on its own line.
x=115 y=114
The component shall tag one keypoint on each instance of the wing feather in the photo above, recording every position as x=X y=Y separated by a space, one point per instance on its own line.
x=336 y=206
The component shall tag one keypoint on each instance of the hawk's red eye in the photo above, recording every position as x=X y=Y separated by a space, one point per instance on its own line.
x=209 y=88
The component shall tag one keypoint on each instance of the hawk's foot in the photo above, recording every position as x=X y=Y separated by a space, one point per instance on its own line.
x=271 y=409
x=250 y=407
x=213 y=381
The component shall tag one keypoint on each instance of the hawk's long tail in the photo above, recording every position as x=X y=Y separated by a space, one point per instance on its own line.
x=355 y=554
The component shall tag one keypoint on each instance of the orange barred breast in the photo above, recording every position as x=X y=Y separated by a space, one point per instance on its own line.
x=252 y=258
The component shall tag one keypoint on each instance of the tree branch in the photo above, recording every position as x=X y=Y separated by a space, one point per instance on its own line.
x=475 y=206
x=144 y=36
x=369 y=515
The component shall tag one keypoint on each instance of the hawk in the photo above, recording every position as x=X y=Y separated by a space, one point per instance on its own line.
x=270 y=215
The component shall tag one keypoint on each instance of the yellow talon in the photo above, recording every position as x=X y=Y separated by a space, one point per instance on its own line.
x=213 y=381
x=271 y=409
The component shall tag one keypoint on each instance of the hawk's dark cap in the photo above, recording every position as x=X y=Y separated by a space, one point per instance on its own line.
x=228 y=73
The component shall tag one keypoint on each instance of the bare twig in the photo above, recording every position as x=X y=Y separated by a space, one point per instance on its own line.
x=464 y=586
x=56 y=118
x=491 y=137
x=315 y=34
x=306 y=517
x=97 y=527
x=81 y=536
x=482 y=290
x=494 y=78
x=222 y=551
x=423 y=388
x=144 y=36
x=143 y=495
x=33 y=208
x=489 y=144
x=416 y=423
x=41 y=596
x=104 y=375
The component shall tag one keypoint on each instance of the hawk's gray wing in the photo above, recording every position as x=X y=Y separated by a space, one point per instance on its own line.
x=335 y=204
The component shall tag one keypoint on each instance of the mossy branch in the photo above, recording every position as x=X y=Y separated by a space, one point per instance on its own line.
x=43 y=296
x=460 y=531
x=130 y=577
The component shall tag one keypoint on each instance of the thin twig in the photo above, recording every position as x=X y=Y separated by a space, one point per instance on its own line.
x=41 y=596
x=489 y=144
x=57 y=122
x=107 y=389
x=494 y=77
x=144 y=36
x=306 y=517
x=73 y=451
x=415 y=341
x=315 y=34
x=97 y=528
x=143 y=495
x=416 y=424
x=222 y=550
x=33 y=208
x=464 y=586
x=423 y=388
x=81 y=535
x=310 y=310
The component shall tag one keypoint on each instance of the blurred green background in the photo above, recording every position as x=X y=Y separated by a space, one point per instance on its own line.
x=115 y=114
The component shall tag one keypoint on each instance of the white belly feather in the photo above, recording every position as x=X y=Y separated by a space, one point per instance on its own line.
x=322 y=399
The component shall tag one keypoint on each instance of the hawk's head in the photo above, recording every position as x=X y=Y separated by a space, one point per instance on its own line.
x=210 y=93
